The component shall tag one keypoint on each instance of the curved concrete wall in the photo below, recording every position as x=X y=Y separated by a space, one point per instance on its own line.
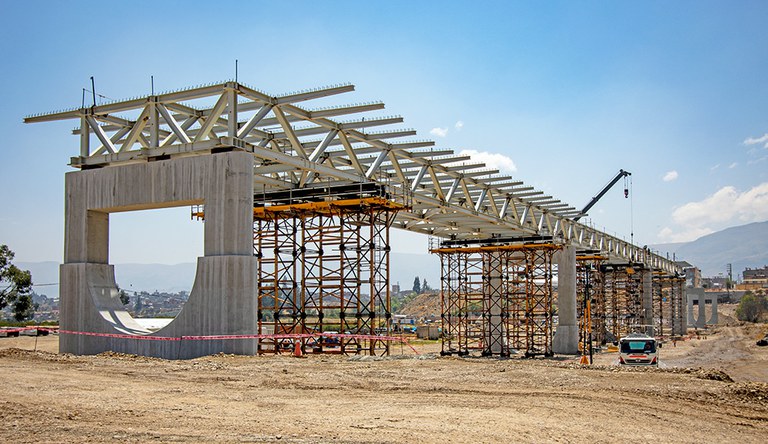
x=223 y=300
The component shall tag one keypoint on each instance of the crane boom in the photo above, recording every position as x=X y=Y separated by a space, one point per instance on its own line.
x=602 y=192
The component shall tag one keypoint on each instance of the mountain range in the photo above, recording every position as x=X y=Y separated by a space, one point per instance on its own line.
x=743 y=246
x=404 y=267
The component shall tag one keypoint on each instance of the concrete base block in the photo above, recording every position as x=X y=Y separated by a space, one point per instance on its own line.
x=566 y=340
x=223 y=301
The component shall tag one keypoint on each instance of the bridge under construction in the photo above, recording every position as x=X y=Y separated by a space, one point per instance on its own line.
x=298 y=204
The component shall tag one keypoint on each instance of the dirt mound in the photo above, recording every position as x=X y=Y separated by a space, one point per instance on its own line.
x=751 y=391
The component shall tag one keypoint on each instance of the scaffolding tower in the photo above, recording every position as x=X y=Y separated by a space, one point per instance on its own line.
x=668 y=305
x=323 y=267
x=623 y=299
x=496 y=299
x=590 y=298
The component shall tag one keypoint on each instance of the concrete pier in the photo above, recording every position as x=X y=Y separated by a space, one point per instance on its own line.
x=648 y=301
x=566 y=340
x=223 y=300
x=700 y=297
x=493 y=292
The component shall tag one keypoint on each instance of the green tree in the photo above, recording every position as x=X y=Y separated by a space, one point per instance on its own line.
x=425 y=286
x=417 y=285
x=752 y=307
x=139 y=305
x=124 y=297
x=15 y=287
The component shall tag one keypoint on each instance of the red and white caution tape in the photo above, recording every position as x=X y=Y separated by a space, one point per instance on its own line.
x=20 y=329
x=340 y=336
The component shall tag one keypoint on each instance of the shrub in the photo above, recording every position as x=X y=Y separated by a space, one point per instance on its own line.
x=752 y=307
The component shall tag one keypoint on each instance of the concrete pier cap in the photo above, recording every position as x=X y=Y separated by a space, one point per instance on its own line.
x=223 y=300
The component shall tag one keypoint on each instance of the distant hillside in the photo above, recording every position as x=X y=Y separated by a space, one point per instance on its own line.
x=180 y=277
x=136 y=277
x=743 y=246
x=427 y=304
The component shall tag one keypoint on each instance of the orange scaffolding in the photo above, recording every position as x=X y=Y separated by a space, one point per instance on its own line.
x=497 y=299
x=323 y=267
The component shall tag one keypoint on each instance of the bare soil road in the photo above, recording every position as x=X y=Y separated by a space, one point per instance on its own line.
x=46 y=397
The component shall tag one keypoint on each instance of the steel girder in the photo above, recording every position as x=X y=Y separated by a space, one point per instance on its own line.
x=300 y=147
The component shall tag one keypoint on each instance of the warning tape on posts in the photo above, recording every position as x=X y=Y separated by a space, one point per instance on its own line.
x=21 y=329
x=339 y=336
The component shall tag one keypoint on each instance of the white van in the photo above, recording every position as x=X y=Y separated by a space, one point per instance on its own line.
x=638 y=349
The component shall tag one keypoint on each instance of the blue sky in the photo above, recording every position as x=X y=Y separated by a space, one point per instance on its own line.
x=563 y=93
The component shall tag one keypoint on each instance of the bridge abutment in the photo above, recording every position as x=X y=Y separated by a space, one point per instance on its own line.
x=223 y=298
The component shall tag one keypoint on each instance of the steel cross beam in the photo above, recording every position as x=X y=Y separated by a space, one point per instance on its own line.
x=298 y=147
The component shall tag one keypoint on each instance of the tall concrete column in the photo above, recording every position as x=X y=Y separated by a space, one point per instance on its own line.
x=689 y=303
x=566 y=340
x=714 y=318
x=495 y=330
x=701 y=321
x=648 y=302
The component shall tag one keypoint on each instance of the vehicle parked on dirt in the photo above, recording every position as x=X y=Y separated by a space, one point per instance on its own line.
x=638 y=349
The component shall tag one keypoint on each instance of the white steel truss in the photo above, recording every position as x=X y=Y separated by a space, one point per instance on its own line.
x=296 y=147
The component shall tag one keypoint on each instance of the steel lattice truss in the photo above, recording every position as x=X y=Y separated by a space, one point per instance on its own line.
x=297 y=147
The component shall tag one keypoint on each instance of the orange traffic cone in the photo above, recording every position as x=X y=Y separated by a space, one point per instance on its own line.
x=297 y=348
x=584 y=360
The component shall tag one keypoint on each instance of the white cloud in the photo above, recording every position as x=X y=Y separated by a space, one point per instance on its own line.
x=757 y=140
x=439 y=132
x=459 y=125
x=726 y=207
x=499 y=161
x=670 y=176
x=733 y=165
x=714 y=167
x=668 y=235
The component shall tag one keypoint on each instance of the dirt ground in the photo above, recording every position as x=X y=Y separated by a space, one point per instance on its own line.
x=46 y=397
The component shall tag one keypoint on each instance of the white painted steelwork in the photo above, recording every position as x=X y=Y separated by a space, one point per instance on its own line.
x=298 y=147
